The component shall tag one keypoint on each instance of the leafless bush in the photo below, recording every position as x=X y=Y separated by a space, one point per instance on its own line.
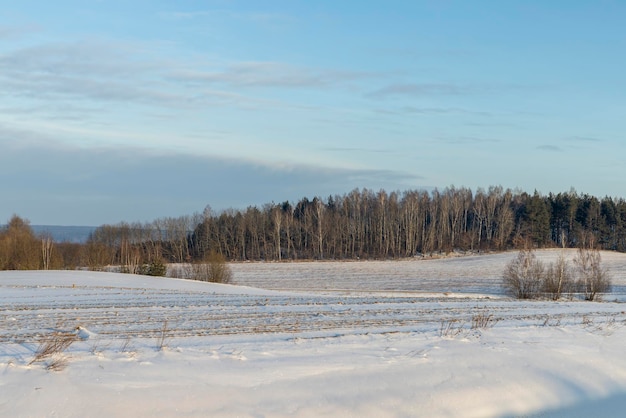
x=98 y=347
x=200 y=271
x=163 y=337
x=126 y=346
x=213 y=268
x=592 y=277
x=451 y=328
x=179 y=271
x=523 y=276
x=51 y=348
x=606 y=327
x=548 y=322
x=483 y=320
x=557 y=279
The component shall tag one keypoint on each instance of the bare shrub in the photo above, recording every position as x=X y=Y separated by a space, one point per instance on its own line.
x=179 y=271
x=213 y=268
x=557 y=279
x=592 y=277
x=200 y=271
x=548 y=322
x=57 y=363
x=451 y=328
x=163 y=337
x=483 y=320
x=523 y=276
x=51 y=347
x=606 y=327
x=219 y=270
x=126 y=346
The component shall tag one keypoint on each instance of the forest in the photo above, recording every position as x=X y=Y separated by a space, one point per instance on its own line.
x=362 y=224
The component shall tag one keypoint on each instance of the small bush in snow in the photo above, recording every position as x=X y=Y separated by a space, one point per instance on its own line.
x=592 y=277
x=213 y=268
x=483 y=320
x=558 y=279
x=51 y=348
x=163 y=337
x=451 y=328
x=154 y=268
x=523 y=276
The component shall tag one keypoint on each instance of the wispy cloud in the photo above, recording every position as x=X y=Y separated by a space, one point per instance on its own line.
x=94 y=70
x=269 y=74
x=419 y=90
x=433 y=111
x=466 y=140
x=358 y=150
x=440 y=89
x=102 y=71
x=87 y=58
x=263 y=18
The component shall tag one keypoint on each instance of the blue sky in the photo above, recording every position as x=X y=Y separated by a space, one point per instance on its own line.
x=136 y=110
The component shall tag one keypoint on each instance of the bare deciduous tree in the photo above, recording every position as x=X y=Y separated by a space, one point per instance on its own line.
x=19 y=248
x=46 y=252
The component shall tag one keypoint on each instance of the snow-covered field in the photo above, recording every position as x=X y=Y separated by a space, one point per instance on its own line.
x=431 y=338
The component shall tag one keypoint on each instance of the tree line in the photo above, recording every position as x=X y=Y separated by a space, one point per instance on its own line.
x=361 y=224
x=364 y=224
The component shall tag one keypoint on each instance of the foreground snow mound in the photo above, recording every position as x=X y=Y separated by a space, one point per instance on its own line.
x=548 y=372
x=144 y=347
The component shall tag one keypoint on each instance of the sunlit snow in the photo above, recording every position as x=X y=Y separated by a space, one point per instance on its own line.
x=375 y=338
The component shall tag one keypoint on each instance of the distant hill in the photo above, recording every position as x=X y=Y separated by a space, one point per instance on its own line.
x=77 y=234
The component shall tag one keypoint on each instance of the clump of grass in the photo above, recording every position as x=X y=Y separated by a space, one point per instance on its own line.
x=483 y=320
x=127 y=346
x=51 y=349
x=606 y=327
x=451 y=328
x=547 y=322
x=163 y=337
x=57 y=363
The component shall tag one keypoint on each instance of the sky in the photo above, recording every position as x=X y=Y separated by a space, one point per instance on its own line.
x=136 y=110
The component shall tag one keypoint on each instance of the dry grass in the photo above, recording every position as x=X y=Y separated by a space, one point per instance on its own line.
x=163 y=337
x=127 y=346
x=451 y=328
x=551 y=322
x=57 y=363
x=483 y=320
x=51 y=349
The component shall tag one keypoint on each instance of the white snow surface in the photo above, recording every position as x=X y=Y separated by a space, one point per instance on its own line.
x=341 y=339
